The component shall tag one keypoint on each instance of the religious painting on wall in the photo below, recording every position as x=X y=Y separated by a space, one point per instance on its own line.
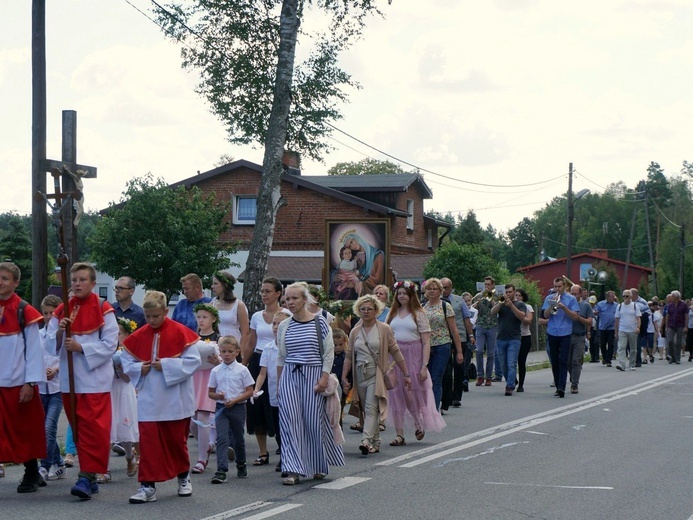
x=357 y=257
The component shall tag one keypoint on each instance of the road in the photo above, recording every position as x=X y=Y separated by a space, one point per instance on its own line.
x=618 y=450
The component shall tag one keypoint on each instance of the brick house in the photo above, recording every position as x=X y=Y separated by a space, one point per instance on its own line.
x=299 y=236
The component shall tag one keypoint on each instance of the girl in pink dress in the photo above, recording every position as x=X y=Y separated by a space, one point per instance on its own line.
x=207 y=318
x=415 y=408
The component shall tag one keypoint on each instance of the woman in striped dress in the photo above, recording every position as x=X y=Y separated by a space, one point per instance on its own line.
x=303 y=367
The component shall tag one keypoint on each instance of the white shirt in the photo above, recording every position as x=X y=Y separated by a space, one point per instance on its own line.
x=230 y=380
x=474 y=315
x=627 y=316
x=166 y=395
x=269 y=360
x=407 y=329
x=93 y=367
x=22 y=364
x=49 y=361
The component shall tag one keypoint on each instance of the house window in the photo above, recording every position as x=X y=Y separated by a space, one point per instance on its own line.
x=410 y=218
x=103 y=293
x=244 y=209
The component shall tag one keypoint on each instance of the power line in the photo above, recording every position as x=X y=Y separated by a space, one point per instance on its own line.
x=440 y=174
x=591 y=248
x=662 y=213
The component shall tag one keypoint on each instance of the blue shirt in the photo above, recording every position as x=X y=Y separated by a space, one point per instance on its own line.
x=183 y=313
x=134 y=313
x=607 y=313
x=560 y=323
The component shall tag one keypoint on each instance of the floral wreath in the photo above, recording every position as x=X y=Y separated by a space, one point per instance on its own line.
x=220 y=275
x=407 y=284
x=210 y=309
x=129 y=326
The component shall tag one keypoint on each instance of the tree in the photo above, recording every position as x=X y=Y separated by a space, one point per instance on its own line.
x=245 y=51
x=15 y=246
x=365 y=167
x=524 y=248
x=468 y=230
x=464 y=265
x=157 y=235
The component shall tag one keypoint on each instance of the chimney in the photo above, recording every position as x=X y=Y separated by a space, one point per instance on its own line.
x=292 y=162
x=601 y=253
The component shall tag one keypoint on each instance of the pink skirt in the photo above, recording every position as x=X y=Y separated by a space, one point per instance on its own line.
x=416 y=408
x=201 y=385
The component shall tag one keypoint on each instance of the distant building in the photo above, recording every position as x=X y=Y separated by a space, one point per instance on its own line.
x=545 y=272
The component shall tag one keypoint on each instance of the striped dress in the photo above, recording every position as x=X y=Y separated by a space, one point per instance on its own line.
x=308 y=445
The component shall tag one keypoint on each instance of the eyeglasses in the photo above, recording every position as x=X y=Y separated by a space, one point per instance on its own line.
x=118 y=288
x=366 y=309
x=626 y=295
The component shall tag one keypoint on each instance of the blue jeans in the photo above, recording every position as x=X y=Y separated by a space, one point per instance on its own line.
x=436 y=367
x=52 y=406
x=485 y=338
x=507 y=351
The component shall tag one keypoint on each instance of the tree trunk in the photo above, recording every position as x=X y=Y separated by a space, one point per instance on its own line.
x=269 y=198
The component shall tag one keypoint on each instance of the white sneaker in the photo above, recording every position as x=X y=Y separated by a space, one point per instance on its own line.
x=144 y=495
x=56 y=472
x=43 y=473
x=184 y=487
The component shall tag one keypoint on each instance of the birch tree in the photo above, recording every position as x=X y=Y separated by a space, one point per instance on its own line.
x=245 y=52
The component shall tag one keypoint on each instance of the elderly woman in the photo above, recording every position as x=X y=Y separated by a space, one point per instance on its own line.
x=382 y=292
x=371 y=343
x=304 y=364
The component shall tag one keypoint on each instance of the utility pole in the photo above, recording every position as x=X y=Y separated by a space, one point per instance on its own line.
x=569 y=233
x=39 y=221
x=624 y=282
x=641 y=188
x=682 y=258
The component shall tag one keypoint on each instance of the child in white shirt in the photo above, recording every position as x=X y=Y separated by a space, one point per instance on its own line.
x=230 y=385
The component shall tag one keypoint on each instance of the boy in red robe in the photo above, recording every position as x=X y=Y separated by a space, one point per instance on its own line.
x=22 y=435
x=93 y=342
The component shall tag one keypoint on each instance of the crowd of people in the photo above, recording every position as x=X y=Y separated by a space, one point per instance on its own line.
x=134 y=381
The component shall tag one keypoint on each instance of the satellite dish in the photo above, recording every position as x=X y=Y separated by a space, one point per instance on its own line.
x=591 y=273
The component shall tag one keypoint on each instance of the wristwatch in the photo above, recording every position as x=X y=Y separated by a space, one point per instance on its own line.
x=32 y=385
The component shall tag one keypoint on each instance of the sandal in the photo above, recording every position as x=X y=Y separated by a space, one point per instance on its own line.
x=365 y=448
x=199 y=467
x=399 y=441
x=373 y=449
x=132 y=467
x=291 y=480
x=357 y=427
x=103 y=478
x=419 y=434
x=382 y=427
x=261 y=460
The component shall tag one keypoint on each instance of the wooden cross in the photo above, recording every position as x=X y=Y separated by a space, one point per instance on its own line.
x=65 y=167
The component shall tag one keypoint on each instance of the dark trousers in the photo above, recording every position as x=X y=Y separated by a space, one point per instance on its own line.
x=606 y=345
x=452 y=379
x=559 y=349
x=230 y=423
x=525 y=347
x=594 y=346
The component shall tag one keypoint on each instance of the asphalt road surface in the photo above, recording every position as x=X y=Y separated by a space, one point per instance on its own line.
x=620 y=449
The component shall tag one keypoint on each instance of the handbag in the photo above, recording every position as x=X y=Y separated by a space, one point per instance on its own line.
x=389 y=376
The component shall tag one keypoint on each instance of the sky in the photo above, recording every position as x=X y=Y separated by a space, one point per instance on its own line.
x=501 y=93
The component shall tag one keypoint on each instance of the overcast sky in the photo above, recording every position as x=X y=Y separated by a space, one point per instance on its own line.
x=498 y=92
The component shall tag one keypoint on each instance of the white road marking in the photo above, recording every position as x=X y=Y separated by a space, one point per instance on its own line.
x=578 y=427
x=238 y=511
x=272 y=512
x=604 y=488
x=485 y=452
x=536 y=433
x=341 y=483
x=495 y=432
